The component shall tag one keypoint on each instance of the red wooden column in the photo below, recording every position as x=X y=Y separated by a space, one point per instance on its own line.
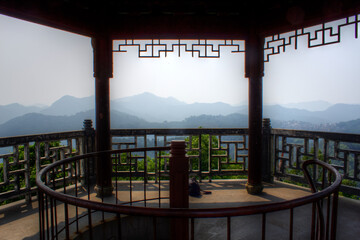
x=254 y=70
x=179 y=188
x=103 y=71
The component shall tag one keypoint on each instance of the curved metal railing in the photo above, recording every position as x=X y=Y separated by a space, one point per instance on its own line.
x=66 y=200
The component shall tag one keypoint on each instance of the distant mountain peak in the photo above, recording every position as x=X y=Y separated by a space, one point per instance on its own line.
x=159 y=109
x=312 y=106
x=70 y=105
x=13 y=110
x=149 y=98
x=14 y=105
x=147 y=94
x=69 y=97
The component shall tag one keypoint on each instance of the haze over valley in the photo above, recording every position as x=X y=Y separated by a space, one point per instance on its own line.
x=147 y=110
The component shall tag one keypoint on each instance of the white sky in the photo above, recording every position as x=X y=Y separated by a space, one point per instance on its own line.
x=189 y=79
x=330 y=73
x=38 y=65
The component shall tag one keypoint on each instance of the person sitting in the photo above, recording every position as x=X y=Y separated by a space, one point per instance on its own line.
x=194 y=188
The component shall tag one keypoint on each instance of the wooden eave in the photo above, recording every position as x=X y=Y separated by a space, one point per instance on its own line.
x=178 y=19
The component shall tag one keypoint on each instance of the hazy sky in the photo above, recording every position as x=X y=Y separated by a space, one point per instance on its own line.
x=38 y=65
x=187 y=78
x=330 y=73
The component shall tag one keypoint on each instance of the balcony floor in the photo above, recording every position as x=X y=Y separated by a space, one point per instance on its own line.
x=20 y=221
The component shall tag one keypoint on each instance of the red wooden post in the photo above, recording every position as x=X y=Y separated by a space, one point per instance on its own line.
x=254 y=67
x=103 y=69
x=179 y=188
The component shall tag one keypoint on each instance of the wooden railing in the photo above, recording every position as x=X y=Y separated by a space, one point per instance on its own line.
x=23 y=157
x=292 y=147
x=213 y=153
x=68 y=209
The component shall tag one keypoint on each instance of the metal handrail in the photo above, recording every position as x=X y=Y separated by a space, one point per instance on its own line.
x=181 y=212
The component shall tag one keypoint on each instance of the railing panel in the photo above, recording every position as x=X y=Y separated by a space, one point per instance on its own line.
x=212 y=152
x=342 y=151
x=115 y=218
x=24 y=156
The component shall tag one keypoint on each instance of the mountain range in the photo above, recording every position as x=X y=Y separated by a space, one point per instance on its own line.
x=149 y=111
x=8 y=112
x=310 y=106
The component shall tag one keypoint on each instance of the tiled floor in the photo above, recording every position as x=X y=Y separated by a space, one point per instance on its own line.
x=20 y=221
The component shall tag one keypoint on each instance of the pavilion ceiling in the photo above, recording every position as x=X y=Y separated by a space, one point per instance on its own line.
x=178 y=19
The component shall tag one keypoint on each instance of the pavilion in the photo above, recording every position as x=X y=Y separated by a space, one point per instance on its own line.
x=252 y=21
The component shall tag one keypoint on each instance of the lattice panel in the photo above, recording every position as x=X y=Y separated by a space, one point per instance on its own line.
x=194 y=152
x=347 y=161
x=291 y=152
x=27 y=159
x=229 y=153
x=289 y=156
x=136 y=164
x=16 y=169
x=157 y=48
x=222 y=155
x=125 y=142
x=319 y=35
x=127 y=162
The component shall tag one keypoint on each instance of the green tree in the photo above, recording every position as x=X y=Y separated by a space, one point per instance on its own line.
x=206 y=159
x=205 y=150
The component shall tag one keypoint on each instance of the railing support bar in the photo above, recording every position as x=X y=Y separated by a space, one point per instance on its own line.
x=334 y=215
